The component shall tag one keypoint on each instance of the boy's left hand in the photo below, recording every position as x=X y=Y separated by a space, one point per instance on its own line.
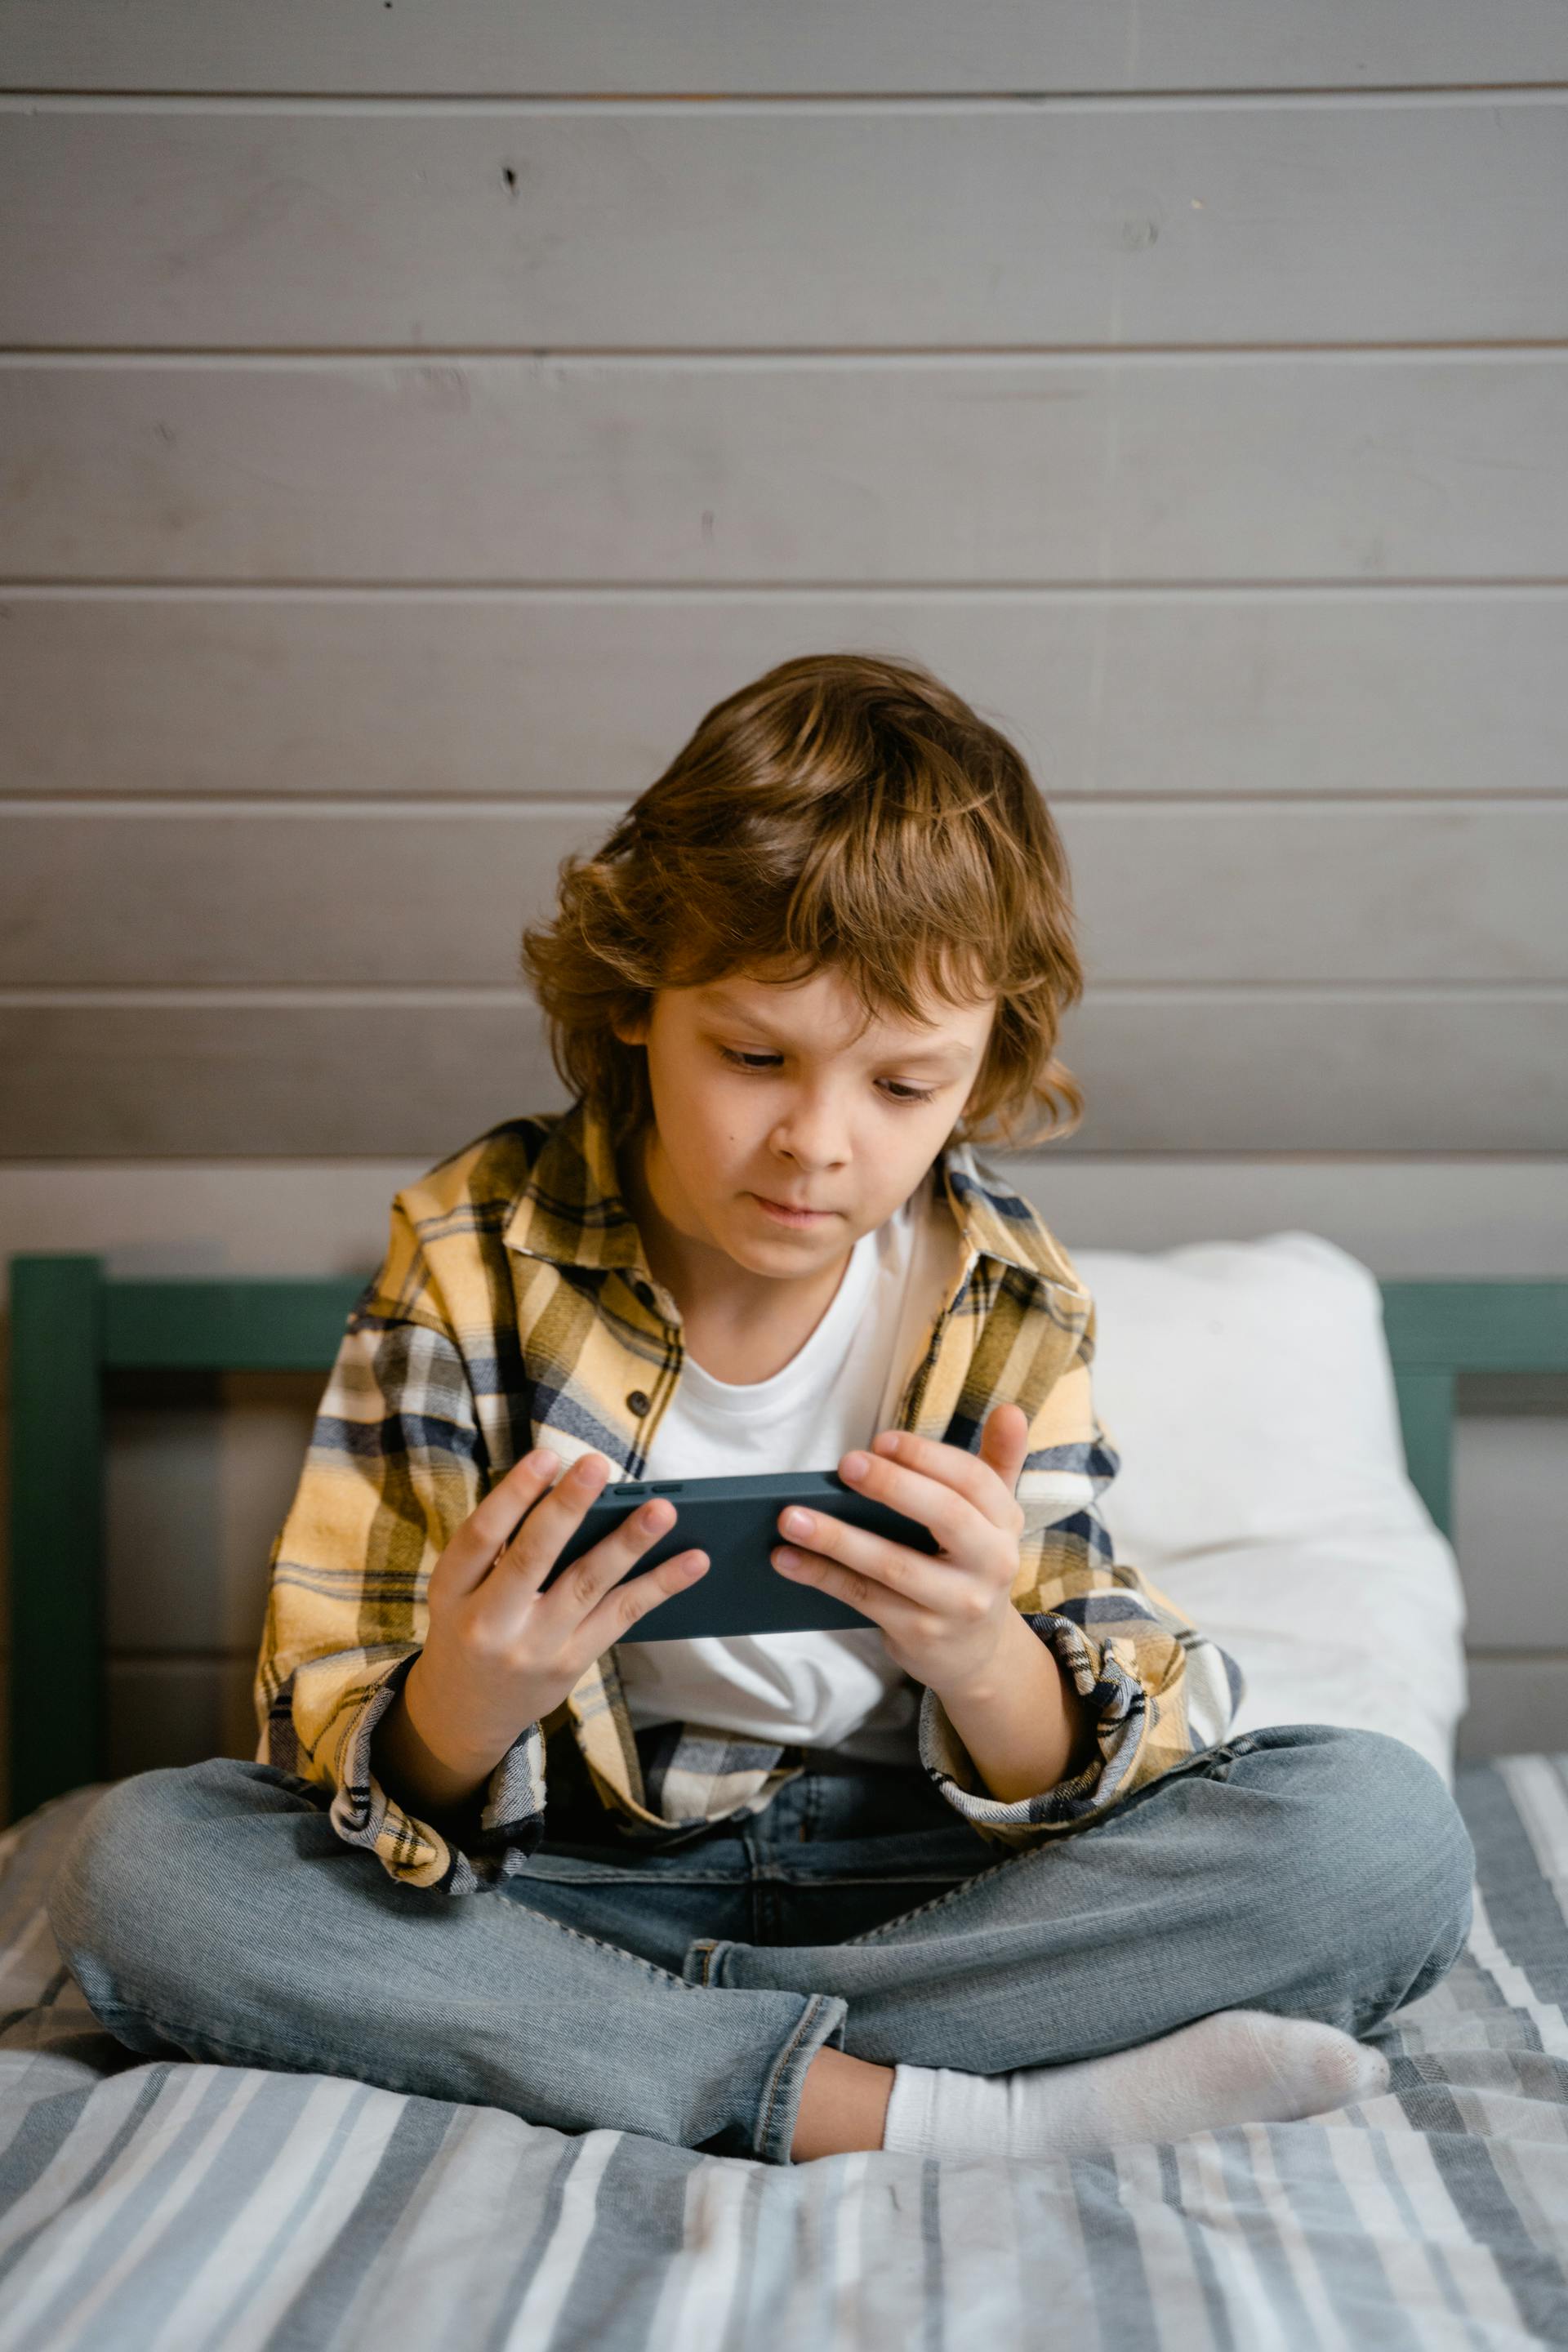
x=944 y=1615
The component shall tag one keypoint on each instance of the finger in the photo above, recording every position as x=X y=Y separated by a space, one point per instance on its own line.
x=621 y=1608
x=584 y=1584
x=873 y=1596
x=935 y=1498
x=902 y=1461
x=1004 y=1443
x=531 y=1554
x=470 y=1557
x=898 y=1569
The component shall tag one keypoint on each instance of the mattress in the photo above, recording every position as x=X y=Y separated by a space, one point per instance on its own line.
x=170 y=2204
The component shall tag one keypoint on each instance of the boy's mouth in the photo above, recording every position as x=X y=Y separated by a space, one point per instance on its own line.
x=789 y=1216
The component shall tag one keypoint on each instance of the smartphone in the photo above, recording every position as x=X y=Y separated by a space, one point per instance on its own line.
x=736 y=1522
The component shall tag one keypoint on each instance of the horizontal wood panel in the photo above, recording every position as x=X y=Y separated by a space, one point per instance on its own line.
x=1323 y=1070
x=1411 y=891
x=1518 y=1706
x=1373 y=691
x=494 y=47
x=1400 y=1217
x=176 y=1711
x=200 y=1471
x=1511 y=1523
x=1223 y=468
x=1278 y=893
x=1191 y=1070
x=737 y=227
x=1497 y=1217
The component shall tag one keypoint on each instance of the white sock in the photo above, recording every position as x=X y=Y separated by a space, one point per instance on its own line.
x=1236 y=2066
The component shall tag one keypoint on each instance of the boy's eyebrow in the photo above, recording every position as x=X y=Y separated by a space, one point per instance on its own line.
x=722 y=999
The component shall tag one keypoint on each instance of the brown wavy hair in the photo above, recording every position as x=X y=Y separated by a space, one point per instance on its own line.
x=846 y=811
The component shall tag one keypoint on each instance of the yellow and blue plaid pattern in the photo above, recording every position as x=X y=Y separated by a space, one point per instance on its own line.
x=515 y=1307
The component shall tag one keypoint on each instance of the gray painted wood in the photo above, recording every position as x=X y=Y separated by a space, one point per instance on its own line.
x=1416 y=1217
x=140 y=896
x=383 y=1072
x=706 y=46
x=1325 y=1070
x=176 y=1711
x=1146 y=468
x=659 y=228
x=1373 y=692
x=1511 y=1521
x=1518 y=1706
x=1395 y=892
x=200 y=1474
x=1491 y=1216
x=1325 y=1000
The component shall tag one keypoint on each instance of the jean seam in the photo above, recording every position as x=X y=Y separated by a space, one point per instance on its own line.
x=238 y=2053
x=806 y=1880
x=951 y=1894
x=1435 y=1971
x=620 y=1952
x=807 y=2017
x=599 y=1943
x=614 y=1875
x=242 y=2053
x=1221 y=1751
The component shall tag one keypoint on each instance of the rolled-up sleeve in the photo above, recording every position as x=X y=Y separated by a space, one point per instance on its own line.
x=1154 y=1688
x=395 y=1462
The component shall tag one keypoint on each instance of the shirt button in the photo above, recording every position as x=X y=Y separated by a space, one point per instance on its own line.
x=638 y=1402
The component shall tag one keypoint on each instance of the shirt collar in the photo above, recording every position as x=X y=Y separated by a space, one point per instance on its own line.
x=570 y=1209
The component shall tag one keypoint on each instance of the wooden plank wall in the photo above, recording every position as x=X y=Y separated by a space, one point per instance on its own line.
x=412 y=419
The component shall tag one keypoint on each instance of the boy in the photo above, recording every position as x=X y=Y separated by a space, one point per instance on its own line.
x=986 y=1877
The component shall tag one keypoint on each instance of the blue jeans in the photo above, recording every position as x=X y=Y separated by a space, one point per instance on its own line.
x=682 y=1991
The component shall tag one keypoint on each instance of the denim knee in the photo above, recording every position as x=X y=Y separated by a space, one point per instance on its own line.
x=123 y=1883
x=90 y=1902
x=1386 y=1852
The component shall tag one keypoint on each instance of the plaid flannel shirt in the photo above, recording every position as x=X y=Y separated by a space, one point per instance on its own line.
x=515 y=1307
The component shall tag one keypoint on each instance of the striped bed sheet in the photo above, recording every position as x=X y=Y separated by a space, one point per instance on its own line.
x=146 y=2203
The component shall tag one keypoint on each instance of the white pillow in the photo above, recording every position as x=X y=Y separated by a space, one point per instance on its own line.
x=1247 y=1388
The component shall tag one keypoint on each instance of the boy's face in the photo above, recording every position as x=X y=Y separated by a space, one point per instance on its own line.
x=761 y=1090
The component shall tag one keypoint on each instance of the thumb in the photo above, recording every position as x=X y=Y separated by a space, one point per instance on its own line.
x=1005 y=1442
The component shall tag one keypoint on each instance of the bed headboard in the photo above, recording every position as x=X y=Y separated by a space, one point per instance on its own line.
x=72 y=1323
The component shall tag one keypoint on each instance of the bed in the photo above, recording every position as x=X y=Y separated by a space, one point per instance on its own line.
x=148 y=2203
x=163 y=2204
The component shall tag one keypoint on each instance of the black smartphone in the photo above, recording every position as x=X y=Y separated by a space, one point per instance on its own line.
x=736 y=1522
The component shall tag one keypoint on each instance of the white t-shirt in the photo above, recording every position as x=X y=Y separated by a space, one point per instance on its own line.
x=819 y=1689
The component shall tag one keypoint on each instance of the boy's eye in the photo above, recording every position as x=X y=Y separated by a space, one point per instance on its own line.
x=762 y=1063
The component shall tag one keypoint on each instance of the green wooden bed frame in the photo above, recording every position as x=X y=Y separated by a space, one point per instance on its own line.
x=72 y=1323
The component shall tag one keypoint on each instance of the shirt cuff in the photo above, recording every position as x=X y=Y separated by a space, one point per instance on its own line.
x=1120 y=1708
x=413 y=1852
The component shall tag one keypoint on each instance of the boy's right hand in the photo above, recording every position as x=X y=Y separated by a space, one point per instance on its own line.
x=498 y=1655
